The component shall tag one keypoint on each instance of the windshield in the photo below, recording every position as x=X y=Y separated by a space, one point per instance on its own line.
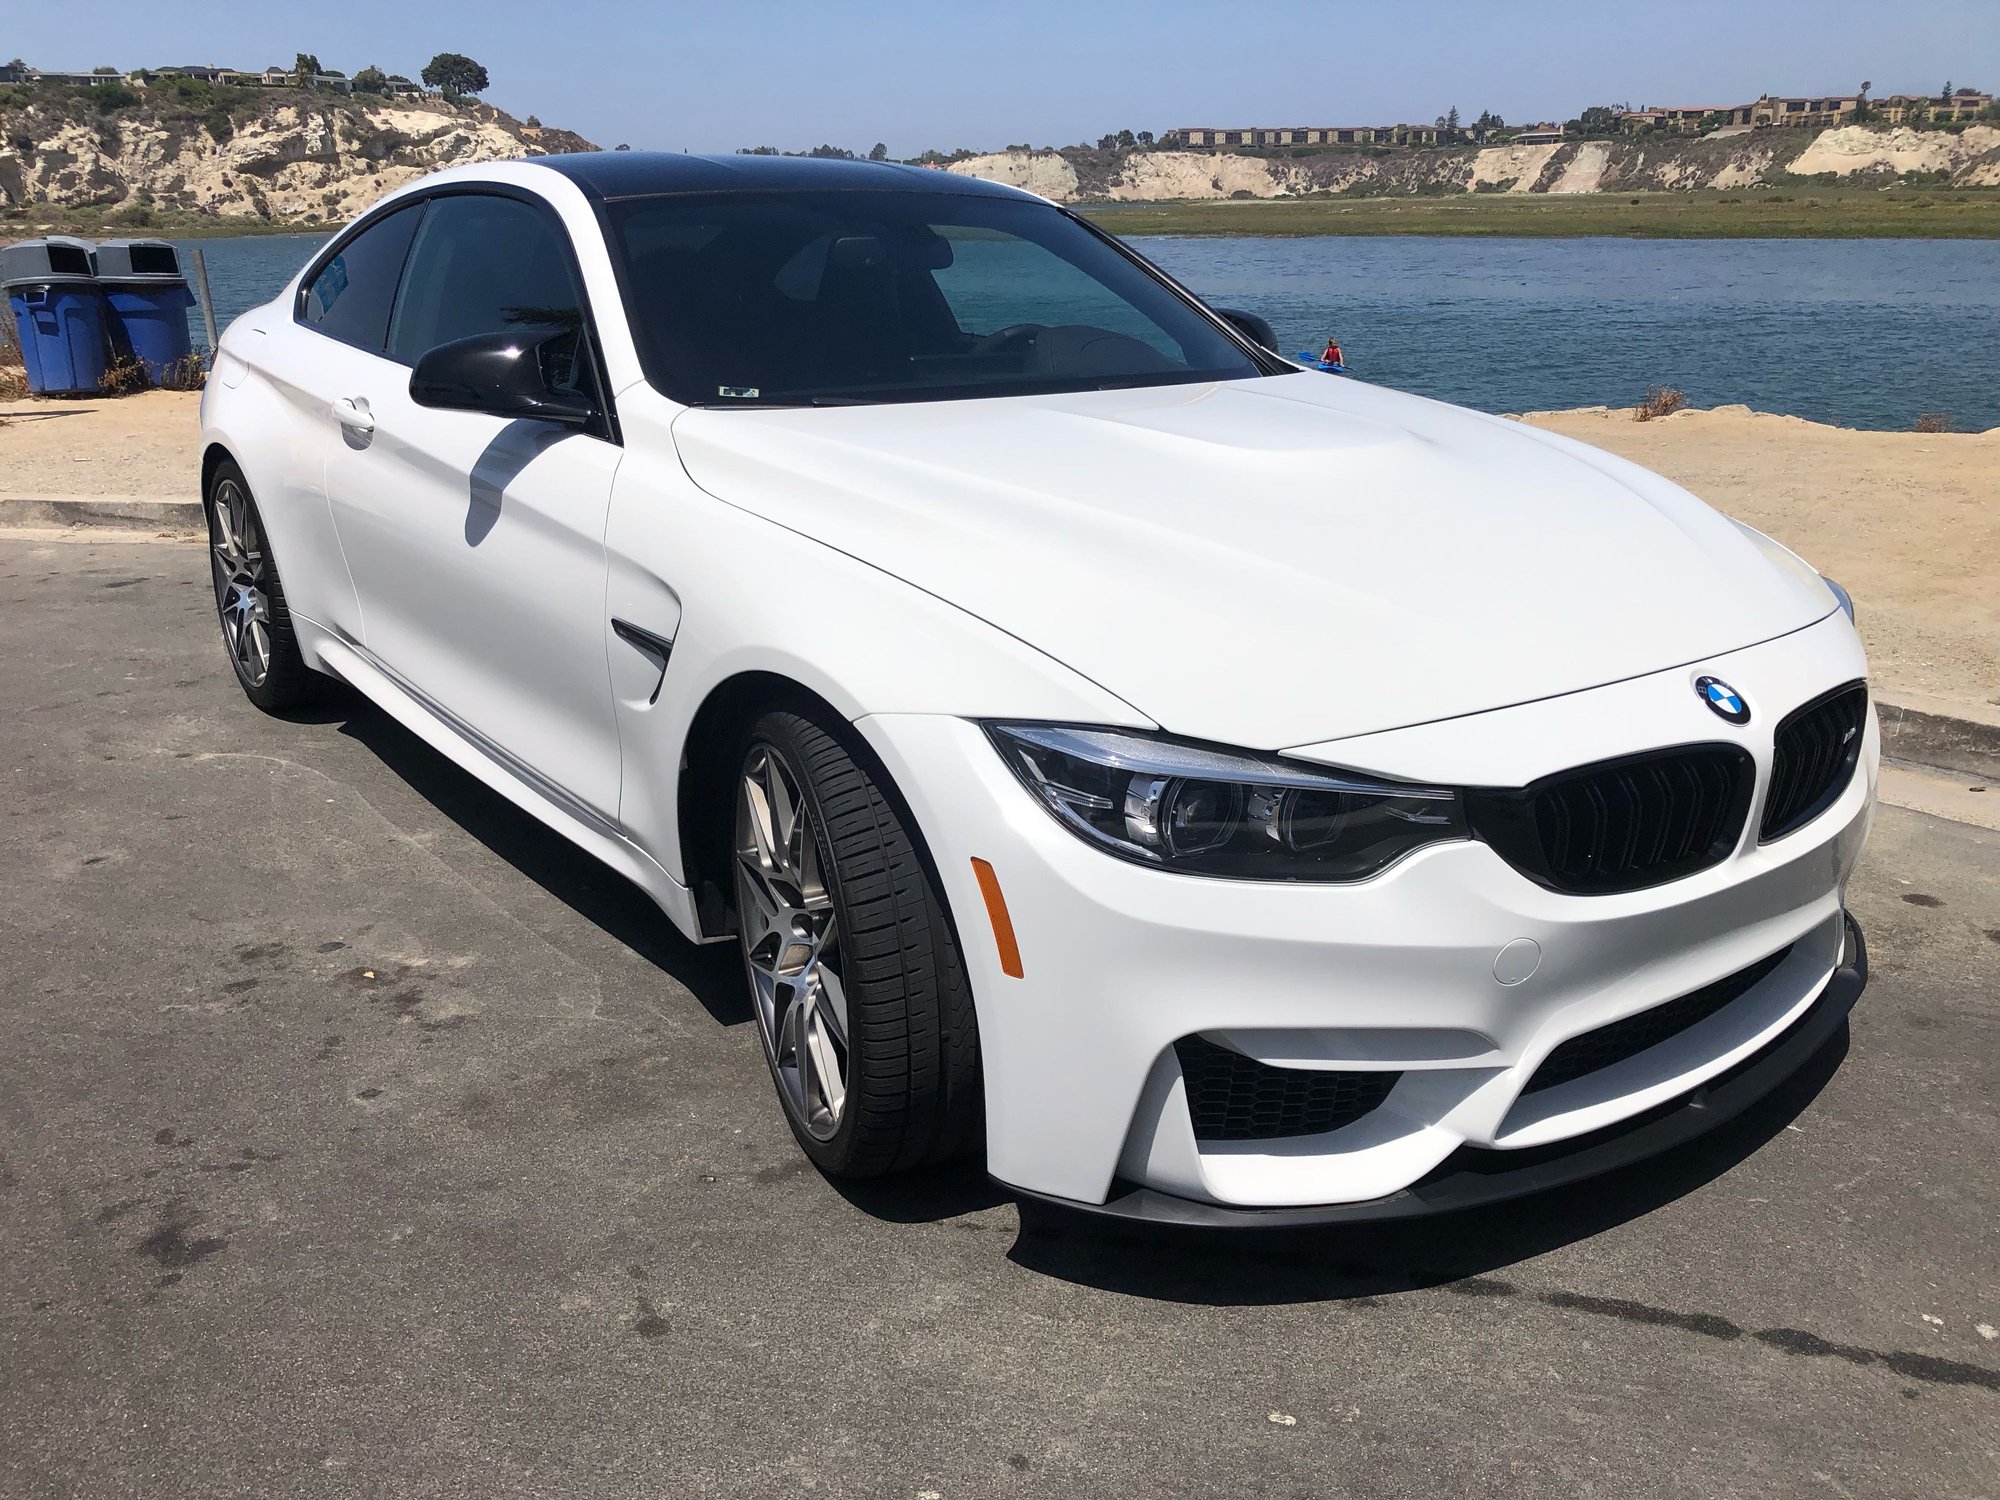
x=788 y=299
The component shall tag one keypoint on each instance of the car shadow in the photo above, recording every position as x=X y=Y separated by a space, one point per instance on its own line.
x=1255 y=1267
x=712 y=973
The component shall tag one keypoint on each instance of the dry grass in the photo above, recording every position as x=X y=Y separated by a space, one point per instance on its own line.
x=1933 y=421
x=122 y=377
x=1661 y=400
x=188 y=373
x=13 y=382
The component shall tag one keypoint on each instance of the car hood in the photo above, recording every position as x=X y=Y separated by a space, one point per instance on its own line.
x=1271 y=562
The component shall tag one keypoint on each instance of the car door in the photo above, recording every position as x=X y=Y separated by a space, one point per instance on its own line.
x=475 y=541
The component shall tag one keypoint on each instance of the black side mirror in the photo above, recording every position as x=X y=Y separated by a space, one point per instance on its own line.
x=505 y=375
x=1251 y=327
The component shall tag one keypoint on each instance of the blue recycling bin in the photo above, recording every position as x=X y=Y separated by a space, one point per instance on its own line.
x=149 y=301
x=59 y=313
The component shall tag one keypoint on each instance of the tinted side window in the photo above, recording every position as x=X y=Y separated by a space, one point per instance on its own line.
x=350 y=296
x=483 y=265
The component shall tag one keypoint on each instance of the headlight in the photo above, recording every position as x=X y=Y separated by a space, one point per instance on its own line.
x=1840 y=597
x=1216 y=812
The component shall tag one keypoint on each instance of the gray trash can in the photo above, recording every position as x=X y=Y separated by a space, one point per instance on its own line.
x=59 y=312
x=149 y=301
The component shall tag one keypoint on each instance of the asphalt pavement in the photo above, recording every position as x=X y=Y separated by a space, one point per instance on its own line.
x=358 y=1138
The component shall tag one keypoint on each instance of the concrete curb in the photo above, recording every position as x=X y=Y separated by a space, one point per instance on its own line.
x=122 y=512
x=1965 y=740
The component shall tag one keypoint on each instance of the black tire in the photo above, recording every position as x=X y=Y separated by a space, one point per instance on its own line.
x=912 y=1090
x=257 y=633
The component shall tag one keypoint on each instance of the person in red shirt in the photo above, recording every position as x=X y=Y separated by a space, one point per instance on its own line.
x=1332 y=355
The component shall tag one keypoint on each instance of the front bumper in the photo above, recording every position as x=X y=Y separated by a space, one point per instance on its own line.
x=1472 y=1178
x=1403 y=973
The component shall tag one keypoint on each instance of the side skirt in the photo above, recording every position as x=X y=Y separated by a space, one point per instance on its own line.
x=472 y=752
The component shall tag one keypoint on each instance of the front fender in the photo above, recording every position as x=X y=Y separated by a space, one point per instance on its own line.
x=739 y=594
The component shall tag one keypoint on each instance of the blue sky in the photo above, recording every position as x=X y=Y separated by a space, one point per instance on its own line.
x=717 y=76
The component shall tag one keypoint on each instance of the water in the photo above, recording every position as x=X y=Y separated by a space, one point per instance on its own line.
x=1863 y=333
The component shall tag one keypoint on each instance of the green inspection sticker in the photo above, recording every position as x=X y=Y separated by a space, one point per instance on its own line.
x=741 y=392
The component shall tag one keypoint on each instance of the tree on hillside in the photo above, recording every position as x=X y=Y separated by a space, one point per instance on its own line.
x=1127 y=140
x=831 y=153
x=370 y=80
x=1145 y=138
x=1599 y=119
x=455 y=75
x=305 y=69
x=1944 y=94
x=878 y=152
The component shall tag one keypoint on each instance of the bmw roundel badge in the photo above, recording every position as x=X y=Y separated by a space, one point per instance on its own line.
x=1724 y=699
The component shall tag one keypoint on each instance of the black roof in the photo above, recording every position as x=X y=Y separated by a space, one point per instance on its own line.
x=643 y=174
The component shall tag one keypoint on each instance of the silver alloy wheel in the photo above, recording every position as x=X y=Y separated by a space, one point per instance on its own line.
x=791 y=942
x=242 y=581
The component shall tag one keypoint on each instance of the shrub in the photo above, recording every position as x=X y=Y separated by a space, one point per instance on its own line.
x=188 y=373
x=1933 y=421
x=123 y=376
x=113 y=96
x=1661 y=400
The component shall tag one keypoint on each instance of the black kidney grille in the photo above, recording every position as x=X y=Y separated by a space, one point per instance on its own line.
x=1236 y=1098
x=1813 y=758
x=1633 y=1035
x=1621 y=825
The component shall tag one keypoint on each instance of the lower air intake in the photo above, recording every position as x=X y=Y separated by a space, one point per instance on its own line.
x=1601 y=1048
x=1231 y=1097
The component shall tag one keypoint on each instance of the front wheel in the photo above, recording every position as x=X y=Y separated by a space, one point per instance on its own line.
x=860 y=997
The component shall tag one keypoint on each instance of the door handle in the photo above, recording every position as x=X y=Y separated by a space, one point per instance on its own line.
x=352 y=411
x=655 y=646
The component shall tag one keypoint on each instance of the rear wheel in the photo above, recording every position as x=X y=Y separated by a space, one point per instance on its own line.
x=250 y=599
x=860 y=997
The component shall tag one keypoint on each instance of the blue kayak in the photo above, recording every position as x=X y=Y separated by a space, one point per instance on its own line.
x=1314 y=362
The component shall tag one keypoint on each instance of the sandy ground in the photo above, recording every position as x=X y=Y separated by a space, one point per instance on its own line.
x=1909 y=522
x=130 y=447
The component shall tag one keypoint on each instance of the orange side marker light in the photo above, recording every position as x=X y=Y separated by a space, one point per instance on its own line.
x=996 y=913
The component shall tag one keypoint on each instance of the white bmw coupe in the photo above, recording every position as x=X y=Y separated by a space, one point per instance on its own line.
x=1220 y=791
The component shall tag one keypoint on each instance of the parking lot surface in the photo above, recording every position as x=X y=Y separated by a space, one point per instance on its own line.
x=359 y=1138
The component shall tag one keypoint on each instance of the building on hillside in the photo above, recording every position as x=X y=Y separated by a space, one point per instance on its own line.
x=1302 y=135
x=204 y=73
x=336 y=81
x=1685 y=118
x=275 y=77
x=1807 y=113
x=1545 y=134
x=399 y=87
x=81 y=79
x=1965 y=104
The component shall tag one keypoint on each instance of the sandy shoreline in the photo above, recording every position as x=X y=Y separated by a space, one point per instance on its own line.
x=1909 y=522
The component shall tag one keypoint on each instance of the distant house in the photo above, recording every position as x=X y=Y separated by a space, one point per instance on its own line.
x=1807 y=112
x=332 y=79
x=397 y=86
x=1302 y=135
x=1545 y=134
x=275 y=77
x=204 y=72
x=1966 y=104
x=16 y=73
x=47 y=75
x=1684 y=118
